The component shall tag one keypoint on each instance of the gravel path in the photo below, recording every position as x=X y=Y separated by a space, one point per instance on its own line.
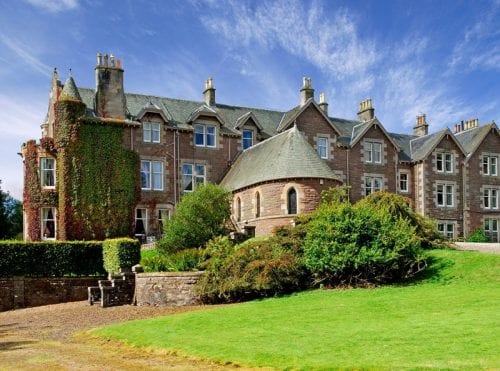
x=42 y=338
x=481 y=247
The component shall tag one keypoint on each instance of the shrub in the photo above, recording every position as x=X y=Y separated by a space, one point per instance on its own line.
x=200 y=216
x=359 y=245
x=51 y=259
x=478 y=236
x=256 y=268
x=397 y=207
x=179 y=261
x=120 y=253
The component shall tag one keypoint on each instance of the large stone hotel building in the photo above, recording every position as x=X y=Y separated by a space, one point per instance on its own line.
x=113 y=163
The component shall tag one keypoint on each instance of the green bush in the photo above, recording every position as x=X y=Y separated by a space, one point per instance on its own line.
x=120 y=253
x=478 y=236
x=179 y=261
x=359 y=245
x=398 y=207
x=51 y=259
x=200 y=216
x=256 y=268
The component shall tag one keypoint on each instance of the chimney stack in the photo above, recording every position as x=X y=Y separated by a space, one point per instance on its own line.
x=322 y=103
x=209 y=92
x=421 y=126
x=307 y=91
x=366 y=110
x=110 y=93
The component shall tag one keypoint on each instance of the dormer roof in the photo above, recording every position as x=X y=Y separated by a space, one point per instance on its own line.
x=151 y=107
x=242 y=120
x=422 y=147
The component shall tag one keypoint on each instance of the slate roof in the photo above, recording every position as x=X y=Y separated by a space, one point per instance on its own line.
x=471 y=139
x=403 y=142
x=292 y=157
x=70 y=90
x=421 y=146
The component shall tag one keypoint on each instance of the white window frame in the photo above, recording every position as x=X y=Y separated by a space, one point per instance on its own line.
x=405 y=181
x=44 y=219
x=447 y=229
x=322 y=147
x=490 y=165
x=373 y=148
x=490 y=198
x=149 y=175
x=149 y=129
x=192 y=171
x=246 y=139
x=447 y=192
x=444 y=162
x=44 y=171
x=163 y=216
x=144 y=220
x=490 y=227
x=371 y=186
x=206 y=132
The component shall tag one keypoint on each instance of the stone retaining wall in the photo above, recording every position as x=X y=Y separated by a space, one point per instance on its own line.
x=163 y=289
x=22 y=292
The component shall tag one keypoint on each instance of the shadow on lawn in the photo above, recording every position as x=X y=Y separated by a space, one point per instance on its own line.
x=437 y=271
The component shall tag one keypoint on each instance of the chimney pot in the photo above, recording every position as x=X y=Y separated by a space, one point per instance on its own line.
x=307 y=91
x=209 y=92
x=112 y=58
x=105 y=60
x=421 y=127
x=323 y=104
x=99 y=59
x=119 y=63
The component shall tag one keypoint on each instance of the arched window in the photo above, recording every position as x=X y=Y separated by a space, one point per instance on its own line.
x=238 y=209
x=257 y=205
x=292 y=201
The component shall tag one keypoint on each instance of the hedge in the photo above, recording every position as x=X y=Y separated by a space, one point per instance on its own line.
x=120 y=253
x=51 y=259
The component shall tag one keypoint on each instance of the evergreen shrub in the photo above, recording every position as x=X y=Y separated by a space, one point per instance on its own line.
x=359 y=245
x=51 y=259
x=120 y=253
x=258 y=267
x=179 y=261
x=478 y=236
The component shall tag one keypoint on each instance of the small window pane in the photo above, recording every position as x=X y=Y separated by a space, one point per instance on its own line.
x=48 y=223
x=157 y=175
x=210 y=136
x=247 y=139
x=146 y=131
x=199 y=135
x=145 y=174
x=48 y=177
x=292 y=201
x=493 y=166
x=187 y=177
x=156 y=132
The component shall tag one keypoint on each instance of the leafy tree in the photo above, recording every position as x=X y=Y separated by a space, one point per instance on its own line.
x=11 y=216
x=200 y=216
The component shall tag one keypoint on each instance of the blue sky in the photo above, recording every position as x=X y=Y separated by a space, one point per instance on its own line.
x=441 y=58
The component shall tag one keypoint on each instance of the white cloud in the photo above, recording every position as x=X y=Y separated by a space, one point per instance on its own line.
x=54 y=6
x=331 y=45
x=478 y=47
x=20 y=120
x=24 y=55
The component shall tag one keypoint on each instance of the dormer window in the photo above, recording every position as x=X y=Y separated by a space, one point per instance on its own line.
x=151 y=132
x=204 y=135
x=247 y=139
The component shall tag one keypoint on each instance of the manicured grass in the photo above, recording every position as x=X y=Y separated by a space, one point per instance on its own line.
x=450 y=318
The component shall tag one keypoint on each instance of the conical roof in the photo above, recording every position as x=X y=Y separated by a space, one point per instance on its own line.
x=70 y=90
x=287 y=155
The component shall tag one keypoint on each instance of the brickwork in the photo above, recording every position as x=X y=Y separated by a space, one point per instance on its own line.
x=273 y=202
x=478 y=181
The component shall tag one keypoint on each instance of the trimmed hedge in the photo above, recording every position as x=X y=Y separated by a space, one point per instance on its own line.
x=120 y=253
x=51 y=259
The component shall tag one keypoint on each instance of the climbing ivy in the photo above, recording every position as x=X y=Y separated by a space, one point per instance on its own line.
x=98 y=179
x=34 y=197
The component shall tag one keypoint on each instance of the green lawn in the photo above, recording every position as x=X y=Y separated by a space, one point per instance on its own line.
x=448 y=319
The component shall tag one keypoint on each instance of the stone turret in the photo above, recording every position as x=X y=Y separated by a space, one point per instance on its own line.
x=110 y=94
x=70 y=91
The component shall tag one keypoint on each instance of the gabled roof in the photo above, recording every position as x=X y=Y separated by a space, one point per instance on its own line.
x=403 y=142
x=292 y=157
x=242 y=120
x=70 y=90
x=150 y=107
x=471 y=139
x=204 y=110
x=421 y=147
x=360 y=130
x=290 y=116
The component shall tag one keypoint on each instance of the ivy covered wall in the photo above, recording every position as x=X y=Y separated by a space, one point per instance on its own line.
x=97 y=178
